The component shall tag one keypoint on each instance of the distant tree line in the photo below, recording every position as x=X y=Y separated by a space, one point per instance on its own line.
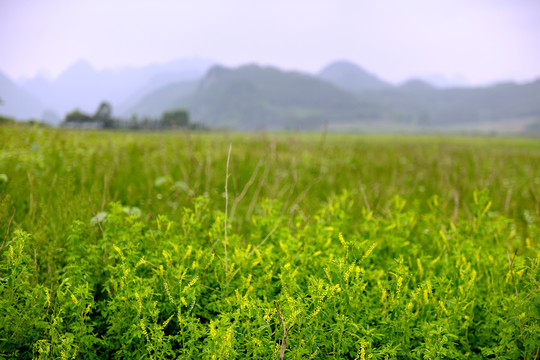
x=173 y=119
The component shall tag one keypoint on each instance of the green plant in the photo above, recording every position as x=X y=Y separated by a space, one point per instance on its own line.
x=412 y=261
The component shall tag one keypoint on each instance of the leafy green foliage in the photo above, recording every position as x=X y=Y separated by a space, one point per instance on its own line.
x=125 y=258
x=405 y=284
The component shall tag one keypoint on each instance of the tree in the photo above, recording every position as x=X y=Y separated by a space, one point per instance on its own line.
x=175 y=118
x=134 y=122
x=104 y=115
x=77 y=117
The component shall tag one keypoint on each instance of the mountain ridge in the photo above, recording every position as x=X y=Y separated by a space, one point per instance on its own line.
x=350 y=76
x=16 y=100
x=253 y=96
x=83 y=87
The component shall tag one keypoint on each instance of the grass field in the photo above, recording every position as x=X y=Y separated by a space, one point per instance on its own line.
x=371 y=247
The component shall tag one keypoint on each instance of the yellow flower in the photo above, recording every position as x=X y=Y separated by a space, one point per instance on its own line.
x=74 y=299
x=48 y=297
x=342 y=240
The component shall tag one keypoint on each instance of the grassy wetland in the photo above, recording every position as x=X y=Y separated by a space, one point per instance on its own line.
x=131 y=245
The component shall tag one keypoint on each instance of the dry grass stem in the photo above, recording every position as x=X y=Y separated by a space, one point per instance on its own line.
x=245 y=189
x=226 y=209
x=8 y=227
x=255 y=197
x=285 y=334
x=94 y=213
x=264 y=240
x=511 y=264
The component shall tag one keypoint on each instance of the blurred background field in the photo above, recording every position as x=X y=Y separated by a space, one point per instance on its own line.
x=52 y=176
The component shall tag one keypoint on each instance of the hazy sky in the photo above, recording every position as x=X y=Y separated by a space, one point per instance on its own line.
x=482 y=40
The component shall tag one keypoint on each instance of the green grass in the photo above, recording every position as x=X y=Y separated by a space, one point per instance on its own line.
x=115 y=245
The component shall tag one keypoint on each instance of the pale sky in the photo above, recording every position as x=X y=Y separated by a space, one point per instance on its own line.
x=482 y=40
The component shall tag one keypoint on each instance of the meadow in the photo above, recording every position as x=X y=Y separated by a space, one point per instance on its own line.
x=133 y=245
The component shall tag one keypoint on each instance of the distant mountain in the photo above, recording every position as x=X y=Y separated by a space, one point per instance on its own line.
x=81 y=86
x=169 y=97
x=416 y=102
x=416 y=85
x=443 y=81
x=252 y=96
x=491 y=103
x=351 y=77
x=162 y=80
x=16 y=102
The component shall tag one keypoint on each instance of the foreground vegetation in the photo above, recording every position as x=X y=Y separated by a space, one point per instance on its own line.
x=345 y=247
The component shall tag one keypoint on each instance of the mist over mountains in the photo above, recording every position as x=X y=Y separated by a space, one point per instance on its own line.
x=18 y=102
x=342 y=94
x=82 y=87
